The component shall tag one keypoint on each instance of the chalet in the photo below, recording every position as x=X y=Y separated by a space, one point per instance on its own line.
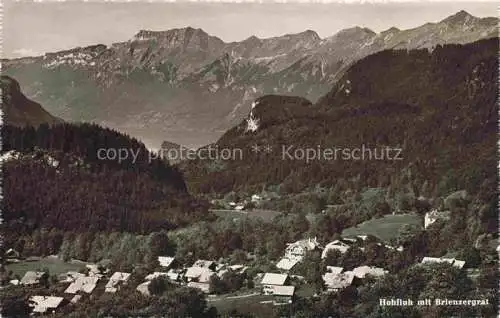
x=336 y=282
x=198 y=274
x=144 y=288
x=256 y=198
x=116 y=279
x=362 y=271
x=85 y=284
x=204 y=287
x=76 y=299
x=156 y=275
x=31 y=278
x=454 y=262
x=96 y=270
x=297 y=250
x=286 y=263
x=166 y=261
x=70 y=277
x=282 y=294
x=340 y=245
x=45 y=304
x=434 y=215
x=274 y=279
x=12 y=254
x=240 y=269
x=205 y=264
x=334 y=269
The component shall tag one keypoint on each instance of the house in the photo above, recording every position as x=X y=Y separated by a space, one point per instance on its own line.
x=31 y=278
x=340 y=245
x=336 y=282
x=156 y=275
x=240 y=269
x=297 y=250
x=165 y=261
x=434 y=215
x=115 y=280
x=12 y=253
x=454 y=262
x=274 y=279
x=286 y=263
x=256 y=198
x=203 y=286
x=69 y=277
x=334 y=269
x=174 y=275
x=144 y=288
x=96 y=270
x=205 y=264
x=283 y=294
x=198 y=274
x=362 y=271
x=76 y=299
x=86 y=284
x=239 y=207
x=44 y=304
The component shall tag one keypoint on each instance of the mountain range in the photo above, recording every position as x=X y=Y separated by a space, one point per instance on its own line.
x=189 y=87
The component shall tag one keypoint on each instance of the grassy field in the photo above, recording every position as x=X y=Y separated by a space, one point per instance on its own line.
x=384 y=228
x=54 y=265
x=265 y=215
x=250 y=305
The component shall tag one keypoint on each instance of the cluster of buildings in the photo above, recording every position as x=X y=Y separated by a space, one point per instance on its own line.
x=199 y=275
x=79 y=284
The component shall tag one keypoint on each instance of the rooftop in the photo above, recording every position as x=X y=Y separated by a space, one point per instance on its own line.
x=274 y=279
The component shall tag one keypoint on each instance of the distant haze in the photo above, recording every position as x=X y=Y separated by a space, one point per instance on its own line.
x=36 y=28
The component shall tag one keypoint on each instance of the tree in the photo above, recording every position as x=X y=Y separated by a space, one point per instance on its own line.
x=158 y=285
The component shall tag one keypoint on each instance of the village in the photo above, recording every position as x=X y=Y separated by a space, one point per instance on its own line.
x=278 y=286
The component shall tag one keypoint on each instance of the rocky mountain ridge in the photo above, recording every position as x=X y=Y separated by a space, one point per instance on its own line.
x=186 y=86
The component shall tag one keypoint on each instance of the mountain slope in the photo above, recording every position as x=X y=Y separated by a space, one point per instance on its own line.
x=68 y=177
x=438 y=107
x=19 y=110
x=188 y=87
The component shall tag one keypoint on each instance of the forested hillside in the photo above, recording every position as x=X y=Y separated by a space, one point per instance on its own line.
x=54 y=178
x=438 y=107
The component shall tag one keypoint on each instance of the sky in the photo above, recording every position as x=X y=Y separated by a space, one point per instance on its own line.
x=34 y=28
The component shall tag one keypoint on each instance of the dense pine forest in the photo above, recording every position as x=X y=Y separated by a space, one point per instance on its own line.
x=59 y=182
x=438 y=106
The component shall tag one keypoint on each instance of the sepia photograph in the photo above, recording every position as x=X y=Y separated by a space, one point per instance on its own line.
x=250 y=159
